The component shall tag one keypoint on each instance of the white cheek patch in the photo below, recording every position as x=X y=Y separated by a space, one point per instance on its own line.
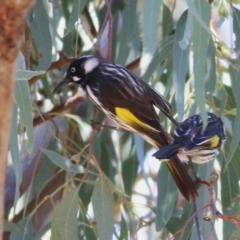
x=75 y=78
x=90 y=64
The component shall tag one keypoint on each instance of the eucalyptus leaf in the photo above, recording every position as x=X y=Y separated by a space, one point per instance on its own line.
x=27 y=234
x=27 y=75
x=180 y=65
x=236 y=72
x=77 y=8
x=14 y=150
x=62 y=162
x=129 y=22
x=164 y=50
x=150 y=14
x=23 y=100
x=64 y=224
x=38 y=22
x=11 y=226
x=166 y=198
x=102 y=201
x=200 y=41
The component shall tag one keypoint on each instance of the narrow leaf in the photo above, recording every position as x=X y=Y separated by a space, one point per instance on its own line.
x=14 y=150
x=235 y=235
x=62 y=162
x=11 y=226
x=23 y=100
x=139 y=142
x=77 y=9
x=64 y=224
x=129 y=29
x=150 y=14
x=236 y=125
x=102 y=201
x=167 y=196
x=200 y=40
x=27 y=234
x=198 y=15
x=124 y=233
x=165 y=49
x=186 y=38
x=26 y=75
x=180 y=65
x=38 y=23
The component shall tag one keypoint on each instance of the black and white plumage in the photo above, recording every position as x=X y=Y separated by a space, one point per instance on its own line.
x=129 y=102
x=190 y=140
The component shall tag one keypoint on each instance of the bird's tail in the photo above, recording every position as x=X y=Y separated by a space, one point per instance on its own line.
x=184 y=182
x=182 y=179
x=167 y=151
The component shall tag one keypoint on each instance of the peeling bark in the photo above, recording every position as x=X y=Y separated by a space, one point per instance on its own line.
x=12 y=21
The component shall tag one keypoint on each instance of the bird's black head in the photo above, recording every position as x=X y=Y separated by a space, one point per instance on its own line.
x=78 y=69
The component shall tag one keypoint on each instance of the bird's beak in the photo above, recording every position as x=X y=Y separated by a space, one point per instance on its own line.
x=64 y=82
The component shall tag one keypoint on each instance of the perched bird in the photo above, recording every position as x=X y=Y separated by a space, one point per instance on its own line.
x=190 y=141
x=128 y=101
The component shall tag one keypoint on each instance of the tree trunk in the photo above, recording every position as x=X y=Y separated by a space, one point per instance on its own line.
x=12 y=21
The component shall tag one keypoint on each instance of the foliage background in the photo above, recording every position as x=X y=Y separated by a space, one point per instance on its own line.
x=82 y=183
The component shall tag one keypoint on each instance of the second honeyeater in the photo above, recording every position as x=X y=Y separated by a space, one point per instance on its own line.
x=192 y=142
x=129 y=102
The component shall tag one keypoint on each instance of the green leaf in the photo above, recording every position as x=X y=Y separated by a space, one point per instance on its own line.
x=187 y=213
x=165 y=49
x=180 y=65
x=86 y=231
x=211 y=68
x=139 y=143
x=27 y=234
x=11 y=226
x=97 y=148
x=229 y=185
x=84 y=127
x=14 y=150
x=77 y=8
x=26 y=75
x=124 y=233
x=198 y=13
x=38 y=235
x=235 y=235
x=64 y=224
x=200 y=39
x=23 y=100
x=102 y=201
x=62 y=162
x=129 y=174
x=167 y=197
x=236 y=72
x=186 y=38
x=129 y=29
x=204 y=172
x=150 y=14
x=38 y=23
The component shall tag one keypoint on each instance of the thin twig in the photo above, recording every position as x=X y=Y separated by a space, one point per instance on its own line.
x=188 y=221
x=70 y=103
x=197 y=220
x=63 y=60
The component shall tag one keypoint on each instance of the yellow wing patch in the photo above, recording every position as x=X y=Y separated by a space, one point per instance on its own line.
x=213 y=141
x=128 y=118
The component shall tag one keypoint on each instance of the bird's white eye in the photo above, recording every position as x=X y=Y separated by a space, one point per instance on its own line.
x=73 y=69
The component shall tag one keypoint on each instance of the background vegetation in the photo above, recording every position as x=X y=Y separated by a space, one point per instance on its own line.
x=70 y=181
